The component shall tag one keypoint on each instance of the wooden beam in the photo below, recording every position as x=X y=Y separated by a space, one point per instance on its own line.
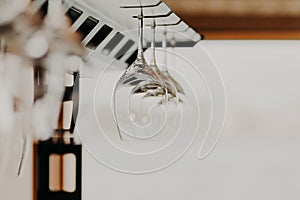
x=237 y=19
x=250 y=34
x=241 y=23
x=237 y=7
x=231 y=27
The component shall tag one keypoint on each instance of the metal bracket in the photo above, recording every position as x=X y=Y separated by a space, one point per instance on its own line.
x=156 y=16
x=145 y=6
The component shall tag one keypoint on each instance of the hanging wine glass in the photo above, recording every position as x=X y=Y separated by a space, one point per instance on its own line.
x=172 y=107
x=164 y=67
x=137 y=95
x=171 y=88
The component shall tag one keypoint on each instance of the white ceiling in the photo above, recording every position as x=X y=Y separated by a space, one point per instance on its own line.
x=123 y=17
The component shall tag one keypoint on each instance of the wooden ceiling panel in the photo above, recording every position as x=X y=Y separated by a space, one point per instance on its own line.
x=241 y=19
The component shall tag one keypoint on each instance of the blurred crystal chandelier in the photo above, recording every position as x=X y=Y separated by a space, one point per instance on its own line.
x=31 y=41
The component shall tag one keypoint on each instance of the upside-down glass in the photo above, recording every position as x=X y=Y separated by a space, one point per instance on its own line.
x=139 y=98
x=164 y=67
x=171 y=88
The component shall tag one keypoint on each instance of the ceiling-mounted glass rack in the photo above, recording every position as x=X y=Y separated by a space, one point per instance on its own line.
x=109 y=27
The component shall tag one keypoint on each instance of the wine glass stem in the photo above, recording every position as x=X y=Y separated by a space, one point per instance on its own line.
x=153 y=61
x=164 y=45
x=141 y=36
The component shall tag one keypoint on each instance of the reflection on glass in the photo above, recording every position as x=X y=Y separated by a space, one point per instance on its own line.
x=140 y=96
x=172 y=91
x=164 y=67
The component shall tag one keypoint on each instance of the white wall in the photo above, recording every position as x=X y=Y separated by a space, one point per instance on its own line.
x=257 y=156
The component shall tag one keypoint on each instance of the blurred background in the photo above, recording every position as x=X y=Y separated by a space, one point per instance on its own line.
x=258 y=154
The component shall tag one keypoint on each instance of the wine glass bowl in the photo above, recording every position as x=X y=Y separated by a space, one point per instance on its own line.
x=134 y=96
x=175 y=84
x=171 y=89
x=139 y=98
x=164 y=67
